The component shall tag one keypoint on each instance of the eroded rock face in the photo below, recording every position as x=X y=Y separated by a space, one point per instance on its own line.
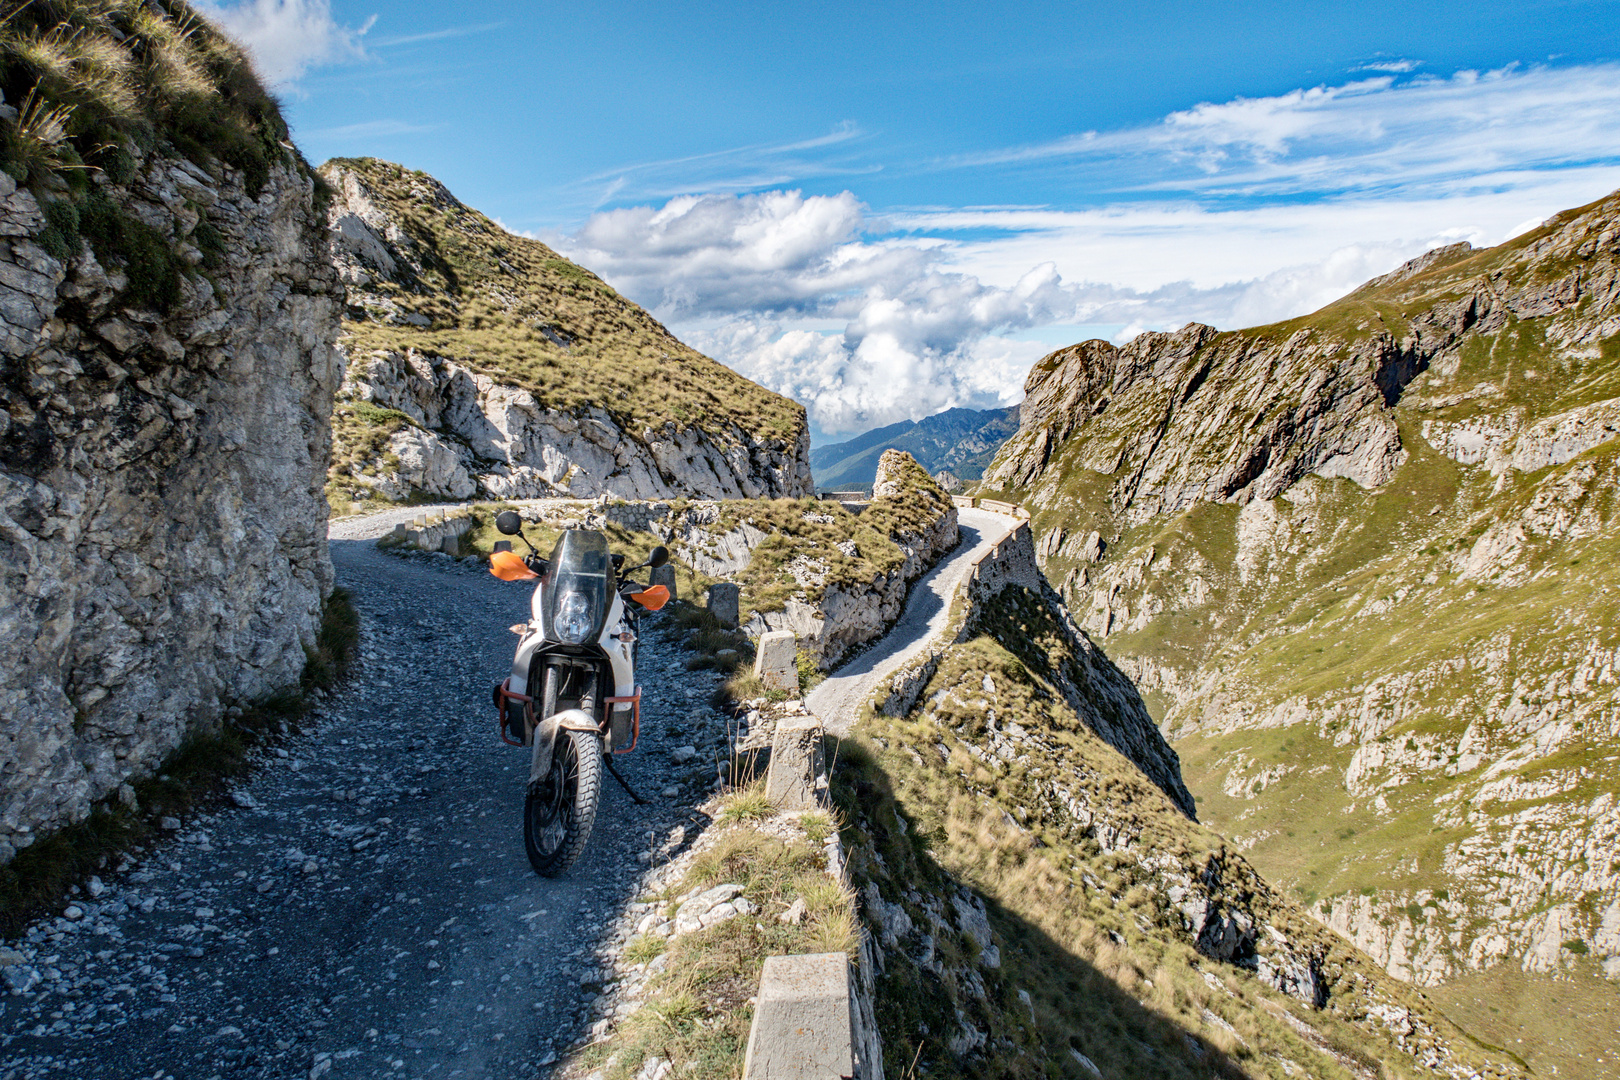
x=161 y=503
x=845 y=616
x=1283 y=409
x=511 y=446
x=512 y=442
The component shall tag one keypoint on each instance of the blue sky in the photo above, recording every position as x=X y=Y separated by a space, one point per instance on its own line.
x=885 y=210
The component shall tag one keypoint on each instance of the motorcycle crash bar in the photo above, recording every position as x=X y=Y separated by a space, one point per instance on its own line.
x=634 y=701
x=509 y=567
x=503 y=694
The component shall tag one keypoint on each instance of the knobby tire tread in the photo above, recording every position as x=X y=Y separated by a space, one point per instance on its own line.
x=588 y=752
x=587 y=796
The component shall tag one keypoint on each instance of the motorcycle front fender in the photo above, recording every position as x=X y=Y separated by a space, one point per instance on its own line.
x=545 y=738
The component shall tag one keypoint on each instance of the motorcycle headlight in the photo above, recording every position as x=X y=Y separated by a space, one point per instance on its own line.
x=575 y=619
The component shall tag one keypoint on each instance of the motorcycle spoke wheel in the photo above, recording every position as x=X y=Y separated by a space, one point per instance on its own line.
x=560 y=810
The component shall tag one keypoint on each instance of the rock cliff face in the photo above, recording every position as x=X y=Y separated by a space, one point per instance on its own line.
x=1362 y=563
x=836 y=579
x=164 y=440
x=483 y=363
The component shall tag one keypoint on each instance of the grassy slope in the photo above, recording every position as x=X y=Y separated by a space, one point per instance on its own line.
x=512 y=308
x=94 y=79
x=1088 y=933
x=1359 y=598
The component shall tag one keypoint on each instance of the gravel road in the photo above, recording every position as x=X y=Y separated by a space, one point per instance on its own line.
x=838 y=699
x=367 y=909
x=370 y=526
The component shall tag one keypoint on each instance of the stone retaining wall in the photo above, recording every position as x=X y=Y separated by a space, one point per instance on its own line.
x=432 y=531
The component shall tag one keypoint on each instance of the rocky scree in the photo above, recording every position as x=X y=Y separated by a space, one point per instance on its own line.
x=364 y=906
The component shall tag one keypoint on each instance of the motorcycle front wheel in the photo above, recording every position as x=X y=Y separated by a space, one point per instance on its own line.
x=560 y=810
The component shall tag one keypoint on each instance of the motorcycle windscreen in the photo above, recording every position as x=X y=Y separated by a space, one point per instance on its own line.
x=578 y=587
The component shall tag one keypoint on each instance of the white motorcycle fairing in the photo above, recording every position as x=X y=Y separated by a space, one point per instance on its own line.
x=615 y=641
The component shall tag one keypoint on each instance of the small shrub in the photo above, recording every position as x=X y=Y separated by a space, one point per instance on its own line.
x=60 y=237
x=809 y=673
x=148 y=258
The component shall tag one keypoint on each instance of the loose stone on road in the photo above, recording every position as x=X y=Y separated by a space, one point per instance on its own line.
x=366 y=908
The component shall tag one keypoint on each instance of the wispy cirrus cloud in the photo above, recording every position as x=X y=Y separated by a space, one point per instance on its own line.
x=1422 y=134
x=741 y=168
x=435 y=35
x=369 y=129
x=1394 y=67
x=286 y=38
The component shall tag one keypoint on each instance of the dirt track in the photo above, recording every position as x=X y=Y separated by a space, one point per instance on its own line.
x=837 y=701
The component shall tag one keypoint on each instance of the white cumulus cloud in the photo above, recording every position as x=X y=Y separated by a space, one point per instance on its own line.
x=1243 y=212
x=818 y=299
x=287 y=37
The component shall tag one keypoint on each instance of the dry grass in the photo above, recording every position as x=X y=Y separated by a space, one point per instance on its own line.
x=1087 y=932
x=812 y=548
x=698 y=1011
x=98 y=77
x=512 y=308
x=744 y=804
x=818 y=825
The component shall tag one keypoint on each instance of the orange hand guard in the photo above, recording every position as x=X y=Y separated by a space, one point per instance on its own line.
x=508 y=566
x=653 y=598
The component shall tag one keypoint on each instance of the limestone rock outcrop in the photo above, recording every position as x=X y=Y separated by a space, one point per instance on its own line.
x=162 y=456
x=836 y=579
x=1361 y=562
x=838 y=616
x=538 y=377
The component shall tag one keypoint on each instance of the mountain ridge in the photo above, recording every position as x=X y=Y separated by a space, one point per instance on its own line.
x=485 y=363
x=960 y=441
x=1358 y=562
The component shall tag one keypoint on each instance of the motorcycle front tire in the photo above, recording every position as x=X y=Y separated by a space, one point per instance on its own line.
x=560 y=810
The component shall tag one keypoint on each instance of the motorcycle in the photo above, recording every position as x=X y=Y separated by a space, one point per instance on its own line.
x=572 y=697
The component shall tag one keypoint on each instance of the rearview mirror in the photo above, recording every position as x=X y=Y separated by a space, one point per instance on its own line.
x=658 y=557
x=509 y=522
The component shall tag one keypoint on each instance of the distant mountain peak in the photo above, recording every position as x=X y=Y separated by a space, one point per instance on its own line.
x=958 y=441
